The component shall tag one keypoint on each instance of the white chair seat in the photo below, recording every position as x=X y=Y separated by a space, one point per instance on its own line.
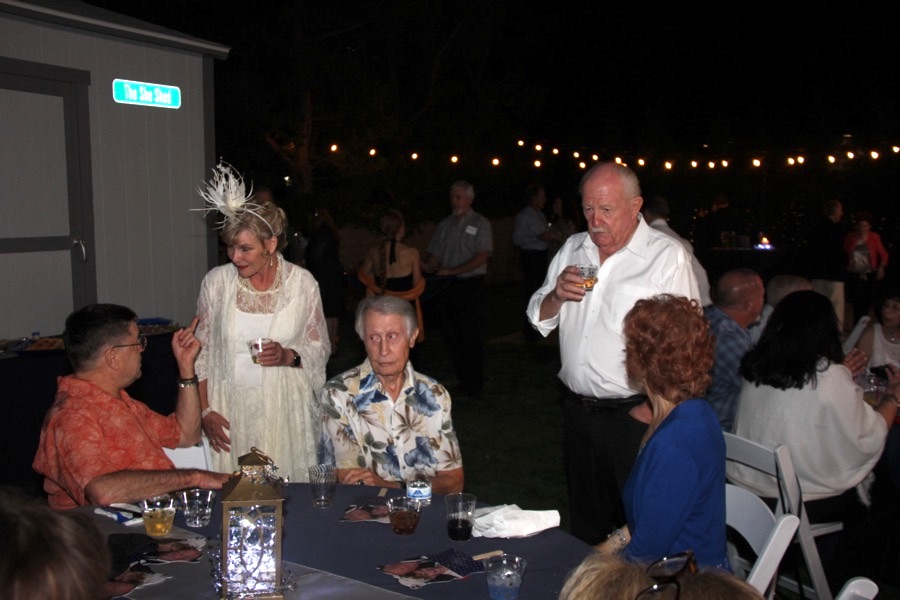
x=768 y=536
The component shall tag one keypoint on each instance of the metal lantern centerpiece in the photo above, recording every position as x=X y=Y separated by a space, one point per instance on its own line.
x=252 y=525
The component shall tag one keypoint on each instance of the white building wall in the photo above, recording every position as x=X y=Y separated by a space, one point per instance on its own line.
x=150 y=249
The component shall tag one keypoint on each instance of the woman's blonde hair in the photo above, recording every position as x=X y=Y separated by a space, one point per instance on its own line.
x=608 y=576
x=266 y=220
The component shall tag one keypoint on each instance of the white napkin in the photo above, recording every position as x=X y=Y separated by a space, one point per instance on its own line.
x=510 y=521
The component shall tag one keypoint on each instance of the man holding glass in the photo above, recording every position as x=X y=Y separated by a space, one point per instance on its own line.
x=605 y=415
x=100 y=446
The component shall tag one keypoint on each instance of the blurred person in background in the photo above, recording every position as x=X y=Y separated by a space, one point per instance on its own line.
x=867 y=260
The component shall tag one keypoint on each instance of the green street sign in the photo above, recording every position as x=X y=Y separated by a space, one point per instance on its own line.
x=146 y=94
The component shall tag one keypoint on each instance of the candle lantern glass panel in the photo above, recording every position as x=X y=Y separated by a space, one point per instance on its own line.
x=252 y=526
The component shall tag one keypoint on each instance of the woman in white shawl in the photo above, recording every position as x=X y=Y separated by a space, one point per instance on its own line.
x=271 y=404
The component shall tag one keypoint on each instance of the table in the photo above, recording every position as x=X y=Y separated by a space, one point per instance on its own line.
x=317 y=540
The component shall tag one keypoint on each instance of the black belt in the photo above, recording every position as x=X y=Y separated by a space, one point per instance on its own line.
x=613 y=404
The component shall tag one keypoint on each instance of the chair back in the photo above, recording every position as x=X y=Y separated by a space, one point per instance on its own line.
x=197 y=456
x=768 y=536
x=777 y=463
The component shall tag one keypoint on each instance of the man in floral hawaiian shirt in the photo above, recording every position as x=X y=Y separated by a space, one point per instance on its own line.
x=383 y=424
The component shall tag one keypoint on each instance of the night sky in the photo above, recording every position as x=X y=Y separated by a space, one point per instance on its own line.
x=755 y=76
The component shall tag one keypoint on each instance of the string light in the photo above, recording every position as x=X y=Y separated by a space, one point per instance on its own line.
x=668 y=164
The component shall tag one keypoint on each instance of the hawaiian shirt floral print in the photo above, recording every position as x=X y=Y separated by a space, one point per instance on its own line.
x=398 y=440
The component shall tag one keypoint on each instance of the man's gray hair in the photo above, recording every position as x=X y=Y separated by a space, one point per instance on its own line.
x=385 y=305
x=465 y=186
x=630 y=184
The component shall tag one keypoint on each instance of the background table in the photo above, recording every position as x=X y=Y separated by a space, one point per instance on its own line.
x=316 y=538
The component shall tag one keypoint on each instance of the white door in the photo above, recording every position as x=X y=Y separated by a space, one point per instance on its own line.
x=46 y=222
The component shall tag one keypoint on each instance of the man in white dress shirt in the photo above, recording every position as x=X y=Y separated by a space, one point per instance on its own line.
x=605 y=415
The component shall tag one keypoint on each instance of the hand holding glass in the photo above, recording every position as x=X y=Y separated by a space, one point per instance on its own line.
x=589 y=274
x=256 y=346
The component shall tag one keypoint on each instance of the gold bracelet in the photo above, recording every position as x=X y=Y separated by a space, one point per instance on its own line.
x=892 y=397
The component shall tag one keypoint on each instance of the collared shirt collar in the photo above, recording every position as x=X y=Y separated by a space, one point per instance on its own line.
x=637 y=245
x=368 y=381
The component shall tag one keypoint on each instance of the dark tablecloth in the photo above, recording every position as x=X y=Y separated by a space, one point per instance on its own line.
x=316 y=538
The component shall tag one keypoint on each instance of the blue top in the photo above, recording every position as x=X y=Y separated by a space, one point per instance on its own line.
x=675 y=495
x=732 y=343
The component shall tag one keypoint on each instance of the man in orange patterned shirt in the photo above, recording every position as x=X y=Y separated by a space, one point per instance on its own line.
x=98 y=445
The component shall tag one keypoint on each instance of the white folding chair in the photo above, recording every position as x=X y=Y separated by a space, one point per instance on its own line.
x=768 y=536
x=858 y=588
x=777 y=463
x=197 y=456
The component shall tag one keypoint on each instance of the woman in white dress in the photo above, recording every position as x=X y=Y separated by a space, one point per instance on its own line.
x=272 y=404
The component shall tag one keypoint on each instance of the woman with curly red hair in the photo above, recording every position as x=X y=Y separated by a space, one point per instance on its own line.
x=675 y=495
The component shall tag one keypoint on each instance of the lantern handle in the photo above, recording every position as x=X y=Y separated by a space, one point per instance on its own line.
x=262 y=455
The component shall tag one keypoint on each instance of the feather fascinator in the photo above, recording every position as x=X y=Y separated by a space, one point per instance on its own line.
x=226 y=193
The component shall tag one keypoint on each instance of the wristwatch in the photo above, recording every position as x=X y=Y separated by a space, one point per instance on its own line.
x=297 y=359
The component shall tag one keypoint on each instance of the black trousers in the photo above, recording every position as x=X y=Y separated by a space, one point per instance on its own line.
x=462 y=308
x=600 y=445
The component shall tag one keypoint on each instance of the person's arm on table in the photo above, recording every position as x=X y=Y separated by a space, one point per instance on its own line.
x=131 y=485
x=444 y=482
